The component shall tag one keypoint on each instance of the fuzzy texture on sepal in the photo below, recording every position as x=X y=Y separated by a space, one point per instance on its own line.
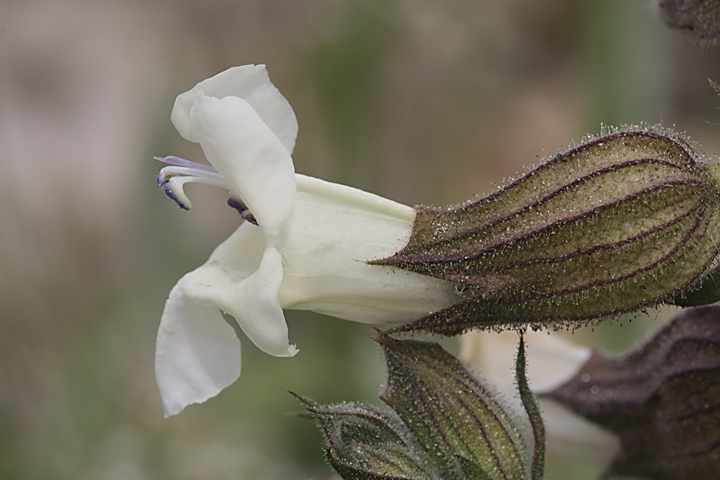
x=703 y=291
x=533 y=411
x=450 y=412
x=366 y=442
x=445 y=424
x=662 y=400
x=620 y=222
x=696 y=20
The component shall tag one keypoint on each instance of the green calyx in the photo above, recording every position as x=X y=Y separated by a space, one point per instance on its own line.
x=620 y=222
x=445 y=423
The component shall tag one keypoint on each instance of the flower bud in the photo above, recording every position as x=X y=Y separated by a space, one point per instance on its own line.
x=618 y=223
x=444 y=423
x=697 y=20
x=661 y=400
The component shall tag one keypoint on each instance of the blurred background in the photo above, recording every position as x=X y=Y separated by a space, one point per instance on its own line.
x=421 y=101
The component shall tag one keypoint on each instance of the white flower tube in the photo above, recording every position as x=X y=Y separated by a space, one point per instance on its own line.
x=552 y=360
x=305 y=245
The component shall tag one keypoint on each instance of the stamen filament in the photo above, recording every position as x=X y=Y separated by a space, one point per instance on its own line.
x=169 y=172
x=218 y=182
x=174 y=188
x=181 y=171
x=181 y=162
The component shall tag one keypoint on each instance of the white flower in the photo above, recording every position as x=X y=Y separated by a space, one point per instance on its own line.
x=304 y=247
x=552 y=360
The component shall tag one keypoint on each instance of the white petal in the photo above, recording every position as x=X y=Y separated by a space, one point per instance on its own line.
x=572 y=436
x=247 y=153
x=242 y=278
x=254 y=304
x=197 y=352
x=552 y=359
x=249 y=82
x=237 y=257
x=333 y=231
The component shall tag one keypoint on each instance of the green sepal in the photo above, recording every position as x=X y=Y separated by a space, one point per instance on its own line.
x=533 y=411
x=450 y=412
x=365 y=442
x=471 y=469
x=621 y=222
x=445 y=424
x=704 y=291
x=350 y=472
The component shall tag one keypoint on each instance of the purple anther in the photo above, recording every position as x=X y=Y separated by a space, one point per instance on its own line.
x=171 y=195
x=242 y=209
x=173 y=177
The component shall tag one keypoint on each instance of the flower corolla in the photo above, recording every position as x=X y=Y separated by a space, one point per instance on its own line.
x=305 y=244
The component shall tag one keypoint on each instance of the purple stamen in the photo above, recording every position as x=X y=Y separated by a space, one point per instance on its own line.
x=181 y=162
x=242 y=209
x=180 y=171
x=202 y=176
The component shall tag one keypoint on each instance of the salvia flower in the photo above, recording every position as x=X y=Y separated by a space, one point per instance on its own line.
x=622 y=221
x=305 y=245
x=661 y=400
